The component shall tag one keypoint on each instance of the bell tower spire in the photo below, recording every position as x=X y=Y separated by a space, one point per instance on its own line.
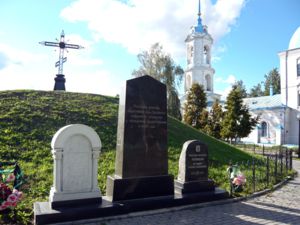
x=199 y=27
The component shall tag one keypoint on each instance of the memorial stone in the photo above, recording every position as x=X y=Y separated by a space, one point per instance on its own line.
x=193 y=169
x=141 y=168
x=75 y=150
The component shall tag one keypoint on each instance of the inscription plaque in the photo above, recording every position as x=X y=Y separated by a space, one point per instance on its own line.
x=142 y=154
x=193 y=168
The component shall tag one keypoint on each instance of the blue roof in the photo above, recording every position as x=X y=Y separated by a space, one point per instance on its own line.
x=264 y=102
x=199 y=27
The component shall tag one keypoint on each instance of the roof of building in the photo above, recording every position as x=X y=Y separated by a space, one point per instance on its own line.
x=295 y=40
x=264 y=102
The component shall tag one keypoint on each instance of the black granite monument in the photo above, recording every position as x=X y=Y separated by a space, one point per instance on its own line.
x=193 y=169
x=141 y=169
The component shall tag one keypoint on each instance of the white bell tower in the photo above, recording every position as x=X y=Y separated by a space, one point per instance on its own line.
x=199 y=44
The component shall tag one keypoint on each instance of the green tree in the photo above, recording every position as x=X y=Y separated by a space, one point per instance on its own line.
x=239 y=84
x=256 y=91
x=162 y=67
x=237 y=122
x=194 y=105
x=203 y=120
x=173 y=104
x=272 y=79
x=215 y=117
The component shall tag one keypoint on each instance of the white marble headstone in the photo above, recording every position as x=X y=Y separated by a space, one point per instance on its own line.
x=75 y=150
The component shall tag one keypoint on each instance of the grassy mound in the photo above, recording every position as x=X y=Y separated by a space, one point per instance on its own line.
x=29 y=119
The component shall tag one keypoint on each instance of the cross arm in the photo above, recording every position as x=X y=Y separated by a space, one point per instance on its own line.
x=49 y=43
x=73 y=46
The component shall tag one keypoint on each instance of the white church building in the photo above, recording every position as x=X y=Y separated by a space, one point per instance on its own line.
x=279 y=114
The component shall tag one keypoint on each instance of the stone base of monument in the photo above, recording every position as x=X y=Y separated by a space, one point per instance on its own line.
x=44 y=214
x=120 y=189
x=194 y=186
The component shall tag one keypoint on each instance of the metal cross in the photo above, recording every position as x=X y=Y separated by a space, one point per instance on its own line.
x=62 y=46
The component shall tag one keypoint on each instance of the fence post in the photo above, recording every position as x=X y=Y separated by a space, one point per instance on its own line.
x=286 y=160
x=253 y=174
x=291 y=159
x=263 y=150
x=268 y=169
x=275 y=169
x=230 y=184
x=281 y=162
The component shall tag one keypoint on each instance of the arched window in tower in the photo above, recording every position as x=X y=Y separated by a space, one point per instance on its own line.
x=208 y=82
x=298 y=67
x=206 y=54
x=188 y=82
x=264 y=129
x=190 y=54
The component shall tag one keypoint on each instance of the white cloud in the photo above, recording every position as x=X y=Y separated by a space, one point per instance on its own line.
x=227 y=85
x=140 y=23
x=19 y=56
x=25 y=70
x=229 y=80
x=3 y=60
x=224 y=93
x=99 y=81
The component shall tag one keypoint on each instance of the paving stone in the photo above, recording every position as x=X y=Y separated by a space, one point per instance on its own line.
x=279 y=207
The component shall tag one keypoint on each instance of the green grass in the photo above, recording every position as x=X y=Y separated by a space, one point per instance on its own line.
x=29 y=119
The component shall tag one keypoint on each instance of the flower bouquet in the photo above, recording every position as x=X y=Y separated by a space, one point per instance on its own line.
x=10 y=182
x=237 y=178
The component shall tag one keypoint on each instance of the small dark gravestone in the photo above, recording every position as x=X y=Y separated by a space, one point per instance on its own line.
x=193 y=169
x=141 y=169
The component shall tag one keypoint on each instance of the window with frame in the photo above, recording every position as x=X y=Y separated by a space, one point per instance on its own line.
x=264 y=129
x=206 y=54
x=208 y=83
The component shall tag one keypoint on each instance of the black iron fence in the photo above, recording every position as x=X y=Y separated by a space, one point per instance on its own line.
x=262 y=173
x=265 y=149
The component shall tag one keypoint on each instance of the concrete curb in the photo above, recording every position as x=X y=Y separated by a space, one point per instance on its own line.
x=179 y=208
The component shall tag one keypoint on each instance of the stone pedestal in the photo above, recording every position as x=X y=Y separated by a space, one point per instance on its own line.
x=59 y=82
x=194 y=186
x=139 y=187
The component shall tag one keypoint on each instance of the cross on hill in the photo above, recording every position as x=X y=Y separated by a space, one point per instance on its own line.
x=62 y=45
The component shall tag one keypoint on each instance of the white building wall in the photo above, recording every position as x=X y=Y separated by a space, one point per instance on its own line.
x=274 y=119
x=290 y=88
x=290 y=82
x=292 y=127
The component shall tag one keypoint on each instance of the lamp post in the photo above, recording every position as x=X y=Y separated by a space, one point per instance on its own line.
x=298 y=117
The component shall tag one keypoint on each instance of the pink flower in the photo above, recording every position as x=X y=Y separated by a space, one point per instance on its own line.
x=237 y=181
x=3 y=206
x=242 y=178
x=11 y=177
x=18 y=193
x=12 y=198
x=6 y=204
x=14 y=204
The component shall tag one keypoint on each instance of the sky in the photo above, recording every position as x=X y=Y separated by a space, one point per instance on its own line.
x=248 y=34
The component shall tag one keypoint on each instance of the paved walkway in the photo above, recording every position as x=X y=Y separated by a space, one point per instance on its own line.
x=279 y=207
